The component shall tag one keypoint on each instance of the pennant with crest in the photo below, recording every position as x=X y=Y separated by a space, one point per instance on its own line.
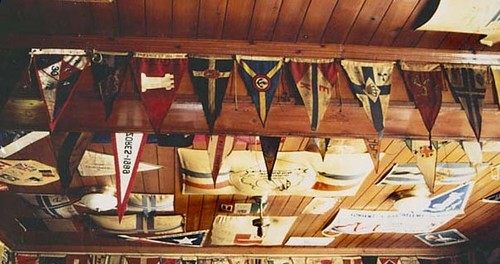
x=495 y=70
x=270 y=148
x=128 y=149
x=468 y=85
x=425 y=83
x=318 y=145
x=371 y=83
x=159 y=77
x=219 y=147
x=426 y=157
x=210 y=76
x=109 y=70
x=314 y=79
x=261 y=77
x=373 y=148
x=57 y=72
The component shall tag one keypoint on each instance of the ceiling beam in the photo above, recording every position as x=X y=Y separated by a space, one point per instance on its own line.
x=254 y=48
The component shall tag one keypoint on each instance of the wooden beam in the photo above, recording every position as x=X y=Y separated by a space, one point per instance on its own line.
x=255 y=48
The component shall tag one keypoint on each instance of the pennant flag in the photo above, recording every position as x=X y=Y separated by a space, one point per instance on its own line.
x=100 y=164
x=210 y=76
x=139 y=224
x=409 y=260
x=371 y=83
x=50 y=205
x=219 y=147
x=494 y=198
x=26 y=259
x=109 y=70
x=143 y=260
x=57 y=72
x=314 y=80
x=373 y=147
x=473 y=152
x=454 y=200
x=261 y=76
x=426 y=157
x=159 y=78
x=128 y=149
x=270 y=148
x=424 y=82
x=12 y=142
x=148 y=204
x=189 y=239
x=52 y=260
x=318 y=145
x=468 y=85
x=388 y=260
x=27 y=173
x=77 y=259
x=495 y=70
x=352 y=260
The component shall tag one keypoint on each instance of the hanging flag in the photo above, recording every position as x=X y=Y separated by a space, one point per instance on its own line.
x=352 y=260
x=50 y=205
x=468 y=85
x=27 y=173
x=149 y=204
x=473 y=152
x=270 y=148
x=77 y=259
x=318 y=145
x=12 y=142
x=219 y=147
x=409 y=260
x=159 y=77
x=426 y=157
x=142 y=260
x=26 y=259
x=424 y=82
x=210 y=76
x=314 y=79
x=373 y=147
x=388 y=260
x=109 y=70
x=128 y=149
x=57 y=72
x=495 y=70
x=261 y=76
x=189 y=239
x=494 y=198
x=371 y=83
x=139 y=224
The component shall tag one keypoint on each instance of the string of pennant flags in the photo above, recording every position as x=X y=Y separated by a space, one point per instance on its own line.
x=157 y=77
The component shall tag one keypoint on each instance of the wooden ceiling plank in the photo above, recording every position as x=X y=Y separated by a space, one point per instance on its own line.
x=237 y=23
x=194 y=212
x=408 y=36
x=290 y=209
x=207 y=212
x=342 y=19
x=290 y=19
x=54 y=19
x=167 y=175
x=159 y=18
x=391 y=24
x=105 y=19
x=454 y=41
x=185 y=19
x=279 y=203
x=472 y=43
x=26 y=16
x=316 y=21
x=150 y=178
x=80 y=20
x=431 y=40
x=264 y=18
x=211 y=18
x=132 y=17
x=367 y=21
x=299 y=227
x=181 y=201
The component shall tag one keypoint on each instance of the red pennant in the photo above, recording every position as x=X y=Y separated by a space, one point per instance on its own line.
x=270 y=148
x=219 y=147
x=128 y=149
x=159 y=80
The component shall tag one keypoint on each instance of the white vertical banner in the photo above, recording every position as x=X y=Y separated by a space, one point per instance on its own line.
x=128 y=149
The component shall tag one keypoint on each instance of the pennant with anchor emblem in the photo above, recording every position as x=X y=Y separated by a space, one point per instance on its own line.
x=261 y=76
x=371 y=83
x=159 y=77
x=210 y=76
x=315 y=79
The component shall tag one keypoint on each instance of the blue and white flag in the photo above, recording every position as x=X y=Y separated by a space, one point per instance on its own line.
x=50 y=205
x=453 y=200
x=188 y=239
x=261 y=76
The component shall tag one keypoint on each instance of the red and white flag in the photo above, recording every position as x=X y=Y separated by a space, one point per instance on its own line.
x=128 y=149
x=219 y=147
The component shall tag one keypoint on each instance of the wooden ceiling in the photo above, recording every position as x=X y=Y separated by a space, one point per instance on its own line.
x=368 y=29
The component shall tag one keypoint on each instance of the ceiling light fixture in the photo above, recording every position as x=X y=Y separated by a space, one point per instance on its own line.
x=412 y=200
x=99 y=198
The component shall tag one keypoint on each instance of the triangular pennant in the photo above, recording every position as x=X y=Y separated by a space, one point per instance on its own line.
x=77 y=259
x=315 y=81
x=388 y=260
x=373 y=147
x=495 y=70
x=57 y=76
x=473 y=151
x=352 y=260
x=426 y=158
x=26 y=259
x=493 y=198
x=270 y=148
x=319 y=145
x=142 y=260
x=109 y=71
x=261 y=77
x=371 y=83
x=128 y=149
x=210 y=76
x=408 y=260
x=159 y=78
x=425 y=83
x=219 y=147
x=468 y=85
x=189 y=239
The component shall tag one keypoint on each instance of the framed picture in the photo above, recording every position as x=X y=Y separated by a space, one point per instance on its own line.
x=442 y=238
